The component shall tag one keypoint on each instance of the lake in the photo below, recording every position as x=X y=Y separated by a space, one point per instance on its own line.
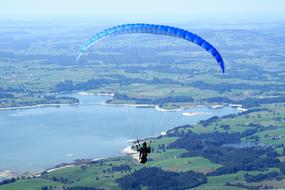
x=38 y=138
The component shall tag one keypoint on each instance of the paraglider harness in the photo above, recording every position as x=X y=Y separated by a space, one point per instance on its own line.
x=144 y=150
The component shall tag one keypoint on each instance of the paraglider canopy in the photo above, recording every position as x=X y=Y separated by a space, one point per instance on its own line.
x=153 y=29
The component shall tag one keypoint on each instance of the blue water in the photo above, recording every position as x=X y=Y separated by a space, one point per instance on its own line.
x=38 y=138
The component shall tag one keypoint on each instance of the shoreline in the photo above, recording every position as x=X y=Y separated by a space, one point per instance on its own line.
x=37 y=106
x=191 y=114
x=95 y=94
x=168 y=110
x=156 y=107
x=128 y=105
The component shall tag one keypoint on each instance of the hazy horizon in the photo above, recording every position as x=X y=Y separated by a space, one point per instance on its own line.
x=143 y=11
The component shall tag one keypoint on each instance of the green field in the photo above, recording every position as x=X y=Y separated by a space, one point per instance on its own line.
x=197 y=164
x=32 y=184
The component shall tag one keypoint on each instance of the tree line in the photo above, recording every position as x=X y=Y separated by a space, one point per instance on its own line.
x=155 y=179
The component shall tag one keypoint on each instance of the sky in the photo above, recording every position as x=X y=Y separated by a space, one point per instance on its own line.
x=142 y=9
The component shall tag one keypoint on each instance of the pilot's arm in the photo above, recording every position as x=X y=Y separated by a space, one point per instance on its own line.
x=148 y=150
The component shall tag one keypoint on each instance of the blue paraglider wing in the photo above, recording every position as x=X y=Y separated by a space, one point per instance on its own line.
x=153 y=29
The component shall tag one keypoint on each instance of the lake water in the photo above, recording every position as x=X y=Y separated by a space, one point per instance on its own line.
x=38 y=138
